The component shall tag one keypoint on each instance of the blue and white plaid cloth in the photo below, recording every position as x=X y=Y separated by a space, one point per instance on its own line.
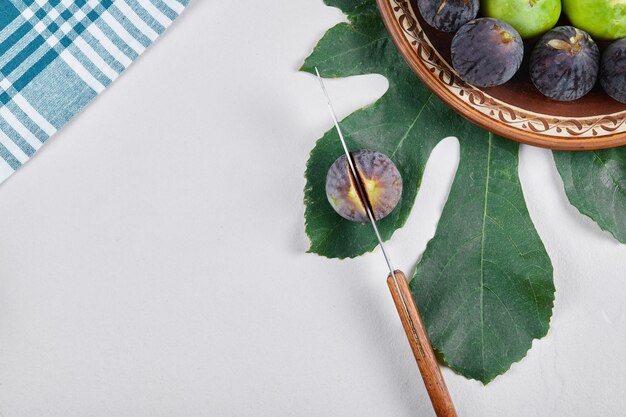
x=58 y=55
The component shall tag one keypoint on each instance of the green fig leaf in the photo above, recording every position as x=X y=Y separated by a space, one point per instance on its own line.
x=484 y=284
x=405 y=124
x=486 y=263
x=595 y=183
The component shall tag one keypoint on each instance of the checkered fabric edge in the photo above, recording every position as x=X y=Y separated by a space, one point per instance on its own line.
x=58 y=55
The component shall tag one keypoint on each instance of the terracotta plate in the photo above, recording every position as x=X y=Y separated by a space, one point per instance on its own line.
x=515 y=110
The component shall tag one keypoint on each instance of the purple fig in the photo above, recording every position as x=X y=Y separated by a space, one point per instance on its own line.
x=382 y=185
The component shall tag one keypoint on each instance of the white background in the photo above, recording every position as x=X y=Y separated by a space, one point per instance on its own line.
x=152 y=255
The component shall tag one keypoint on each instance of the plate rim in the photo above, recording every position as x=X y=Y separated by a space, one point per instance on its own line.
x=406 y=50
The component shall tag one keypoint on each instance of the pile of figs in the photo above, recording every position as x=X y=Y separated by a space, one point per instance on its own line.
x=565 y=64
x=565 y=61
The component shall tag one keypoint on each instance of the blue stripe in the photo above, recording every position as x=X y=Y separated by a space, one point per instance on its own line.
x=27 y=121
x=15 y=37
x=8 y=13
x=90 y=66
x=117 y=40
x=9 y=158
x=104 y=54
x=164 y=8
x=145 y=16
x=16 y=138
x=35 y=69
x=128 y=25
x=58 y=93
x=21 y=57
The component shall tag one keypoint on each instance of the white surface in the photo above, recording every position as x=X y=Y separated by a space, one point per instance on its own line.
x=153 y=255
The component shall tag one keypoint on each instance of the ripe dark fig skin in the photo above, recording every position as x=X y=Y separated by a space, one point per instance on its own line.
x=565 y=63
x=448 y=15
x=613 y=70
x=379 y=175
x=487 y=52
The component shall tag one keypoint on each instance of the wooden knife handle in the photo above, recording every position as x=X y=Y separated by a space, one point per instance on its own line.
x=422 y=350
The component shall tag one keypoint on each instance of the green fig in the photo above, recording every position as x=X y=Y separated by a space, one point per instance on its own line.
x=529 y=17
x=602 y=19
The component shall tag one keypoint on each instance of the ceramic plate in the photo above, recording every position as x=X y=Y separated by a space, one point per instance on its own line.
x=515 y=110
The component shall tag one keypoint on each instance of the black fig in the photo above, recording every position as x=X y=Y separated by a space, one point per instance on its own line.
x=448 y=15
x=487 y=52
x=564 y=64
x=613 y=70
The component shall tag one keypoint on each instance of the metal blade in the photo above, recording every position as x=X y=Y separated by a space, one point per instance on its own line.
x=368 y=209
x=355 y=174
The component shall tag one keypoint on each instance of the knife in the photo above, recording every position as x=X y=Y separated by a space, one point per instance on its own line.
x=401 y=294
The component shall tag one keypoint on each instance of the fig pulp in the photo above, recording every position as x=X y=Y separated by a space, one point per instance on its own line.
x=381 y=180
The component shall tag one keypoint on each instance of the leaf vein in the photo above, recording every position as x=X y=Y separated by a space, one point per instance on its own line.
x=482 y=255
